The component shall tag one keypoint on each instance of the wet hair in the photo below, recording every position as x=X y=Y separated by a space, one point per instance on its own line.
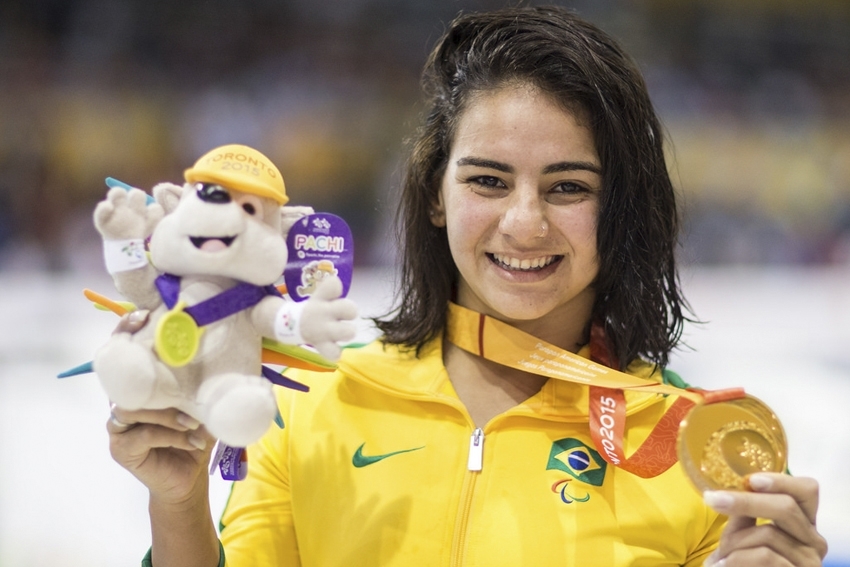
x=638 y=301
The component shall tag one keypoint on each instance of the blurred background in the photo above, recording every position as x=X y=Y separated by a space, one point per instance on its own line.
x=755 y=95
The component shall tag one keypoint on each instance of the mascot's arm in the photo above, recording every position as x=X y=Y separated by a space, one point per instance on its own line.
x=323 y=321
x=138 y=287
x=124 y=220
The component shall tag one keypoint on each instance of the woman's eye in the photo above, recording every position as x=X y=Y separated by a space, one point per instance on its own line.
x=487 y=181
x=569 y=188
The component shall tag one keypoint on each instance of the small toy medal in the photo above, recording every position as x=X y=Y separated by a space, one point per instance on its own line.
x=320 y=245
x=177 y=337
x=720 y=443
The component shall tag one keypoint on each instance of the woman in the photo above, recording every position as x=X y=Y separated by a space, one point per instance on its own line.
x=536 y=195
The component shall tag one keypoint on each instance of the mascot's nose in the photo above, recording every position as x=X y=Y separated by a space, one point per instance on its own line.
x=213 y=193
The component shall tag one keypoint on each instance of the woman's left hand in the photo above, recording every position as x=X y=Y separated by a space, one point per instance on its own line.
x=789 y=538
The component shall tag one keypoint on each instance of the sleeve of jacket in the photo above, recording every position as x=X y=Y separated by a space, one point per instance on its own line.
x=257 y=526
x=710 y=540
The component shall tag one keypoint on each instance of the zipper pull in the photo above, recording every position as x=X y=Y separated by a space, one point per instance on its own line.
x=476 y=450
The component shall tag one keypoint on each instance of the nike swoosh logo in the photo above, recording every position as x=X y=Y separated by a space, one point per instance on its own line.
x=360 y=460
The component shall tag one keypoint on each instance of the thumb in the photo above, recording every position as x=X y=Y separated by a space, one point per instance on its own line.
x=329 y=289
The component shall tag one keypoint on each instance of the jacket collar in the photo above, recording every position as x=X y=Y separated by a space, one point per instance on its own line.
x=397 y=371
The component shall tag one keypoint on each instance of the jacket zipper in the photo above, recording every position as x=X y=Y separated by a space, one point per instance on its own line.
x=474 y=464
x=476 y=450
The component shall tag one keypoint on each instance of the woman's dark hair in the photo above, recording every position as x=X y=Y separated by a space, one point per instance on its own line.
x=638 y=301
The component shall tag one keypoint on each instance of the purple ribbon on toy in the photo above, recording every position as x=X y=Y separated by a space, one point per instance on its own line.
x=241 y=296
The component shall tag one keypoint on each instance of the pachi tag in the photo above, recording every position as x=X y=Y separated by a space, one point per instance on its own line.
x=320 y=245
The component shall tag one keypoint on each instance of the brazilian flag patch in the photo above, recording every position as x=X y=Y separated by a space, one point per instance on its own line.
x=577 y=460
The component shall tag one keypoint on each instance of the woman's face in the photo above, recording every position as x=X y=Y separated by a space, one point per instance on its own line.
x=520 y=199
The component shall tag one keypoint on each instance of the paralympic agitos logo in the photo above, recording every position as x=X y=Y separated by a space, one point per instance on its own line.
x=579 y=461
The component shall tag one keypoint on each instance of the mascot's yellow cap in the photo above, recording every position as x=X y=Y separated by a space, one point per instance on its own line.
x=241 y=168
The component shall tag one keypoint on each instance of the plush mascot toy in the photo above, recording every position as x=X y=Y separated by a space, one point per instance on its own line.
x=217 y=245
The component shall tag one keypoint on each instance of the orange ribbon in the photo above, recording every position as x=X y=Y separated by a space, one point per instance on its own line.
x=499 y=342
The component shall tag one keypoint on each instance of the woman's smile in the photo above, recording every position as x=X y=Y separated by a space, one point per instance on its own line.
x=512 y=264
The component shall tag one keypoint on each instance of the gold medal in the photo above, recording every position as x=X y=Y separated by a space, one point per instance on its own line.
x=720 y=443
x=177 y=337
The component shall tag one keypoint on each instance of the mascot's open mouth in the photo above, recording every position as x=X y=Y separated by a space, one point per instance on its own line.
x=212 y=243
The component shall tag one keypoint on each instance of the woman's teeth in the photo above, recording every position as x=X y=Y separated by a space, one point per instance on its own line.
x=516 y=264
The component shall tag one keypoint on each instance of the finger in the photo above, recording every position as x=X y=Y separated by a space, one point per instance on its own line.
x=171 y=418
x=137 y=199
x=133 y=447
x=342 y=331
x=344 y=309
x=114 y=425
x=805 y=491
x=755 y=556
x=132 y=321
x=770 y=537
x=782 y=509
x=329 y=350
x=329 y=289
x=103 y=211
x=154 y=215
x=116 y=195
x=738 y=523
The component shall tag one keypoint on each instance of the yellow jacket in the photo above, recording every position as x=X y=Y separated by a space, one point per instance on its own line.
x=372 y=469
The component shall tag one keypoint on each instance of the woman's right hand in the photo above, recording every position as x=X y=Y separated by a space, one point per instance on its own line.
x=167 y=450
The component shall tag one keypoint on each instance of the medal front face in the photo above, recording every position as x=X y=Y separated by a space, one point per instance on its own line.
x=177 y=337
x=720 y=443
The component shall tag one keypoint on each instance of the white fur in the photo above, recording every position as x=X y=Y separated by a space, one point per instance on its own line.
x=221 y=386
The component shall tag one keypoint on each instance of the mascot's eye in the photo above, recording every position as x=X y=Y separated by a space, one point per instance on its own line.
x=213 y=193
x=251 y=204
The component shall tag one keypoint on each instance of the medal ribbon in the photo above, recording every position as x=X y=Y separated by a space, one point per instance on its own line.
x=499 y=342
x=233 y=300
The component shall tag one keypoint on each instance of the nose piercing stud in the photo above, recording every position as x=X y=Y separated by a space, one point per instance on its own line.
x=543 y=229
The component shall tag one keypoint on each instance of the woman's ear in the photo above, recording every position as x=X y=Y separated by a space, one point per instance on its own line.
x=437 y=214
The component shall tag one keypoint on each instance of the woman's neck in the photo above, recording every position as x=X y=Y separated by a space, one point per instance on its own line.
x=487 y=388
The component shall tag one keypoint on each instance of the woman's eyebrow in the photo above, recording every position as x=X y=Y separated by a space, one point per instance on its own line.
x=553 y=168
x=573 y=166
x=480 y=162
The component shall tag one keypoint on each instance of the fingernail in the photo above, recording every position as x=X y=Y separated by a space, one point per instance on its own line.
x=759 y=482
x=720 y=501
x=138 y=316
x=197 y=442
x=187 y=421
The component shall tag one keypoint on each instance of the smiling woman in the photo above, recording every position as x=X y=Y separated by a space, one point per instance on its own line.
x=584 y=80
x=538 y=225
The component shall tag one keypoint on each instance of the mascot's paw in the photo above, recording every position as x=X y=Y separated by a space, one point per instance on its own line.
x=236 y=408
x=126 y=370
x=126 y=214
x=327 y=319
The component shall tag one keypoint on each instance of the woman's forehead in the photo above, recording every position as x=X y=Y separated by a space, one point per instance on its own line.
x=502 y=122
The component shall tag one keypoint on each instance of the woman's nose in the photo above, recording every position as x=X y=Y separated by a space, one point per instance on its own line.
x=524 y=219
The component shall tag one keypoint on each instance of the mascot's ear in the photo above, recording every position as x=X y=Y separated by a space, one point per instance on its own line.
x=290 y=215
x=167 y=195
